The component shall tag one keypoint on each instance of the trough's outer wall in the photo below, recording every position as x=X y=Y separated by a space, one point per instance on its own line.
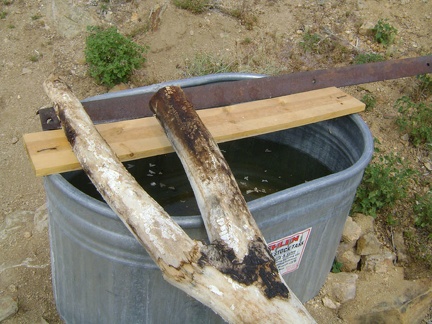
x=102 y=275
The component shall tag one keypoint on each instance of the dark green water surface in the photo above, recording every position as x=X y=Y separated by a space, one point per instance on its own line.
x=261 y=167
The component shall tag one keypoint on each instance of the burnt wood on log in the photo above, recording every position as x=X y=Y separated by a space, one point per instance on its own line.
x=235 y=275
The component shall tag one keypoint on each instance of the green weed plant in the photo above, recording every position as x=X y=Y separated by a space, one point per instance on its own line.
x=384 y=183
x=423 y=212
x=194 y=6
x=368 y=58
x=337 y=266
x=111 y=56
x=310 y=42
x=423 y=87
x=415 y=119
x=369 y=100
x=384 y=33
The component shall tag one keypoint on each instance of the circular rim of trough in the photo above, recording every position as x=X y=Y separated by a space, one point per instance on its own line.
x=194 y=221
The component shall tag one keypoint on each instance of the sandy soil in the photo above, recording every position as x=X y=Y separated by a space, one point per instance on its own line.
x=41 y=36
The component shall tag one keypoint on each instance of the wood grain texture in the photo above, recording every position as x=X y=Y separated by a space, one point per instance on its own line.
x=50 y=151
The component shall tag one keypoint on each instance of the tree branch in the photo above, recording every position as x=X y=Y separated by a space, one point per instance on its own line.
x=235 y=275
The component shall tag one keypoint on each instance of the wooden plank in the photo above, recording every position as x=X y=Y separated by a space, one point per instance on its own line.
x=51 y=153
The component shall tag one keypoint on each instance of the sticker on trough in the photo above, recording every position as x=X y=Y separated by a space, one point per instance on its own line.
x=288 y=251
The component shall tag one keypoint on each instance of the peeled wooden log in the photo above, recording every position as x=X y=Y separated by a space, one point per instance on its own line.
x=222 y=205
x=235 y=275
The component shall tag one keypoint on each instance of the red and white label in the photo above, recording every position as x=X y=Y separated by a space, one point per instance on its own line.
x=288 y=251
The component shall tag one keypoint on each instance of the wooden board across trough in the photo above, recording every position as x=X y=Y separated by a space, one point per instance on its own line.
x=51 y=153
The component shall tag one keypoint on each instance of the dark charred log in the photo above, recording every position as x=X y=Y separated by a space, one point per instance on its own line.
x=68 y=129
x=257 y=266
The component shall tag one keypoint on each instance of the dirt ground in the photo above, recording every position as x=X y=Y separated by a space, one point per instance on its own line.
x=38 y=37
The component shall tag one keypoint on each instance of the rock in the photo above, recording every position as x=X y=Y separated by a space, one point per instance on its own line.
x=366 y=223
x=366 y=29
x=379 y=263
x=70 y=19
x=119 y=87
x=349 y=260
x=327 y=302
x=8 y=307
x=343 y=247
x=27 y=234
x=351 y=231
x=340 y=287
x=405 y=137
x=26 y=71
x=12 y=288
x=388 y=300
x=401 y=251
x=368 y=244
x=134 y=17
x=155 y=17
x=43 y=321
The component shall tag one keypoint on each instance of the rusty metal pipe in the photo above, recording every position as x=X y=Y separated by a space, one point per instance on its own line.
x=102 y=110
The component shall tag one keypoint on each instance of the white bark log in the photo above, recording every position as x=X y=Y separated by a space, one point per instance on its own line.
x=235 y=275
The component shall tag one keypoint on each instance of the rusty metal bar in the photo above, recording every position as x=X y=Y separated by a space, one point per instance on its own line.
x=228 y=93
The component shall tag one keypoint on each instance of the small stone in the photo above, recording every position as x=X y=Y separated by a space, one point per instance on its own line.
x=25 y=71
x=365 y=222
x=349 y=260
x=341 y=287
x=155 y=18
x=405 y=137
x=14 y=140
x=389 y=116
x=380 y=263
x=401 y=250
x=27 y=235
x=8 y=307
x=327 y=302
x=119 y=87
x=351 y=231
x=134 y=17
x=366 y=29
x=368 y=244
x=428 y=165
x=12 y=288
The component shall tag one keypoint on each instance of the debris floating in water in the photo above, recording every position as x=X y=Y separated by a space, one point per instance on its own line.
x=255 y=190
